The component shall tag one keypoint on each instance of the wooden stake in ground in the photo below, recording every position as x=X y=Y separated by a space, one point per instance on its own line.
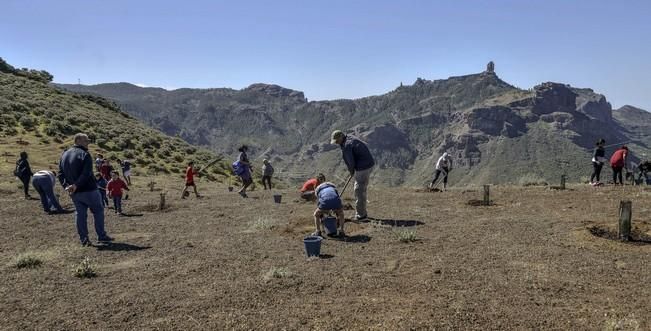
x=625 y=214
x=562 y=182
x=487 y=195
x=161 y=203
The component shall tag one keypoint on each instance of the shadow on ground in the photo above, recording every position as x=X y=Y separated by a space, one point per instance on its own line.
x=391 y=222
x=637 y=238
x=120 y=247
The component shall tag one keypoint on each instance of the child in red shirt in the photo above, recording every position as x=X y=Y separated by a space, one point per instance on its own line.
x=190 y=172
x=114 y=190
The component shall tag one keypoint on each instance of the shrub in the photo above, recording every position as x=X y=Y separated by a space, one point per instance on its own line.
x=27 y=122
x=128 y=154
x=27 y=261
x=262 y=224
x=406 y=235
x=532 y=180
x=277 y=273
x=85 y=269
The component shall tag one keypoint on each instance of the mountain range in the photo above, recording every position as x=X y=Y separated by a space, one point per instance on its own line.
x=495 y=132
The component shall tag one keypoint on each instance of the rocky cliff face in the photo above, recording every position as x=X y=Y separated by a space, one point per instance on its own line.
x=495 y=132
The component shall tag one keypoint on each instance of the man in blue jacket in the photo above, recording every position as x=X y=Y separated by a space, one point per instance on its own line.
x=76 y=176
x=359 y=162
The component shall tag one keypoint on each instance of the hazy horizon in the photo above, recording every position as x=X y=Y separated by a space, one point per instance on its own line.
x=337 y=50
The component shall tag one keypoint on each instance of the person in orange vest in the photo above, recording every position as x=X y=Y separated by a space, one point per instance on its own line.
x=618 y=163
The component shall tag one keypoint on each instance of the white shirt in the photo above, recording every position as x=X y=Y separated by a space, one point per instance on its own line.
x=444 y=161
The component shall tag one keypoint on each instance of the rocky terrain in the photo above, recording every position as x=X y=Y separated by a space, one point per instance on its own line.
x=497 y=133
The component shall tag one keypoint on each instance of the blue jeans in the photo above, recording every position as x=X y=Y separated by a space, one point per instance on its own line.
x=117 y=204
x=102 y=193
x=43 y=185
x=83 y=201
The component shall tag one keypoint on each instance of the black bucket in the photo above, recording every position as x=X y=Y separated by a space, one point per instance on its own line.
x=330 y=225
x=312 y=245
x=230 y=189
x=278 y=198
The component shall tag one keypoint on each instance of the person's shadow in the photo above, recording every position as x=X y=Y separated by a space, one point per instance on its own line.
x=389 y=222
x=119 y=247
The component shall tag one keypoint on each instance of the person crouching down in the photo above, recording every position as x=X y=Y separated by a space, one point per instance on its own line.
x=308 y=190
x=114 y=189
x=328 y=200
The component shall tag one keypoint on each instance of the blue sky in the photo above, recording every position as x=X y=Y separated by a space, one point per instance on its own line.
x=334 y=49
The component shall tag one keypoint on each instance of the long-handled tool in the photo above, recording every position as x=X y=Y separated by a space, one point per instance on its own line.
x=438 y=182
x=209 y=164
x=344 y=189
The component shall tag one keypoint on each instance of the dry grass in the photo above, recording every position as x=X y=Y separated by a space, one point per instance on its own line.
x=27 y=260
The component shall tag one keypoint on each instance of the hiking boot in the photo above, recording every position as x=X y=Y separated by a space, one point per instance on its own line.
x=341 y=234
x=86 y=243
x=243 y=194
x=105 y=239
x=360 y=217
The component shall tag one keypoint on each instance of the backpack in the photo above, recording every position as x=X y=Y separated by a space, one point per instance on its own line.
x=238 y=168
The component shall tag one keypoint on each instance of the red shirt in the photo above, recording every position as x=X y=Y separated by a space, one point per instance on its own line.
x=189 y=175
x=105 y=170
x=617 y=160
x=115 y=187
x=310 y=185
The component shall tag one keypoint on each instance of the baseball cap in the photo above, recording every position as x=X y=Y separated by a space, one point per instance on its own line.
x=336 y=135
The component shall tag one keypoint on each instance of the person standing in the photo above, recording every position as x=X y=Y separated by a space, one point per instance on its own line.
x=243 y=170
x=267 y=172
x=99 y=161
x=644 y=168
x=618 y=163
x=443 y=166
x=24 y=172
x=43 y=182
x=114 y=189
x=105 y=169
x=76 y=176
x=360 y=163
x=598 y=160
x=126 y=170
x=190 y=172
x=101 y=187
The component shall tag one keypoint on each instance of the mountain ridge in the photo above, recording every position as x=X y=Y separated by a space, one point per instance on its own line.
x=475 y=117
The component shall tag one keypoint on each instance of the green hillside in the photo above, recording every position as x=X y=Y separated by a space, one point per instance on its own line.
x=41 y=120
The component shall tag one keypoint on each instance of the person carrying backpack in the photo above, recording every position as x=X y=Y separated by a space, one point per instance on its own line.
x=24 y=172
x=242 y=168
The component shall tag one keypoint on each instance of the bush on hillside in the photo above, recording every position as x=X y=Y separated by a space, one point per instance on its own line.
x=27 y=122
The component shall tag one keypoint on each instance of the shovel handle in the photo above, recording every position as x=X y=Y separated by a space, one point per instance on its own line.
x=345 y=186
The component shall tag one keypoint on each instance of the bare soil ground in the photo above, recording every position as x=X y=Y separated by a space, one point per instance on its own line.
x=531 y=261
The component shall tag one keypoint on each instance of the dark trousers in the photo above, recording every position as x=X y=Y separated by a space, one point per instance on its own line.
x=104 y=198
x=43 y=185
x=25 y=181
x=266 y=180
x=84 y=201
x=117 y=204
x=438 y=173
x=617 y=173
x=596 y=171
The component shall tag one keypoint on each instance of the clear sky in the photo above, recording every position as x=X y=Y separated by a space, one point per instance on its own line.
x=334 y=48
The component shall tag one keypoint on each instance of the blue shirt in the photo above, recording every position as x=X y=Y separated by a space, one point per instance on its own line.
x=328 y=197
